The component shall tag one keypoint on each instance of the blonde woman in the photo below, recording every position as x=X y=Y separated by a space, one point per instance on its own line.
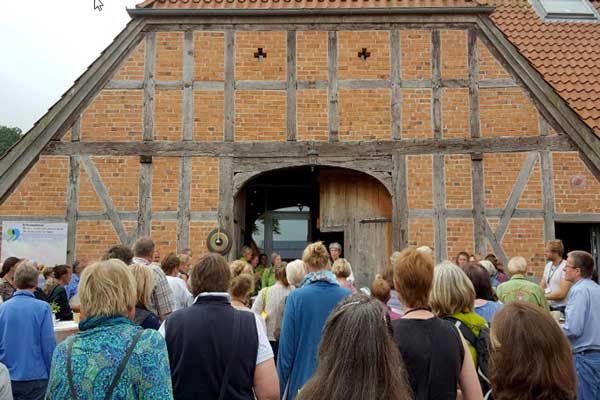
x=239 y=267
x=453 y=298
x=342 y=270
x=306 y=311
x=144 y=279
x=110 y=355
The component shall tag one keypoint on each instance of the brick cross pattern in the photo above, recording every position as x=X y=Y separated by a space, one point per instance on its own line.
x=260 y=54
x=364 y=54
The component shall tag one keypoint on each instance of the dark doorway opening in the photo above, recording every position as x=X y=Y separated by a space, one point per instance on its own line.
x=282 y=212
x=580 y=236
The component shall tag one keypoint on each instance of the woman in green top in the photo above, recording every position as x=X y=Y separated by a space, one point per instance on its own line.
x=453 y=295
x=268 y=274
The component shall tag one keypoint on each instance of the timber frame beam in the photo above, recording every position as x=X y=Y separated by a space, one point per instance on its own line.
x=193 y=148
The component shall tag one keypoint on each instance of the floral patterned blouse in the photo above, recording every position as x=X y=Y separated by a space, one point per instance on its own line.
x=97 y=352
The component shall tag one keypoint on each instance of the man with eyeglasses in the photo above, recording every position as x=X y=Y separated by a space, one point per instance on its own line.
x=582 y=323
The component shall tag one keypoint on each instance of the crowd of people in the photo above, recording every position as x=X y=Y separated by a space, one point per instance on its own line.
x=261 y=328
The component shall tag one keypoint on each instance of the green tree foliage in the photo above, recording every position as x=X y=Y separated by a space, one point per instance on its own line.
x=8 y=136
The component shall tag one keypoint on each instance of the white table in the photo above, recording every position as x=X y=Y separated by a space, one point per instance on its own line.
x=63 y=329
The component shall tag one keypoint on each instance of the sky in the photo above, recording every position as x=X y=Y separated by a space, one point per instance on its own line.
x=45 y=45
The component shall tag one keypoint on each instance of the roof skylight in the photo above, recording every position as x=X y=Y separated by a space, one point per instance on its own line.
x=565 y=9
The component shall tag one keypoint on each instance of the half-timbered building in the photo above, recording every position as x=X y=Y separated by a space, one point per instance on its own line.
x=457 y=124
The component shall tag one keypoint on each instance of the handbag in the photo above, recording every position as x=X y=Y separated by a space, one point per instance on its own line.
x=263 y=313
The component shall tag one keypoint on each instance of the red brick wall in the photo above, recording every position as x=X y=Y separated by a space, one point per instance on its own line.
x=209 y=56
x=167 y=115
x=132 y=68
x=458 y=181
x=459 y=233
x=204 y=194
x=415 y=48
x=169 y=56
x=420 y=190
x=311 y=114
x=455 y=113
x=420 y=232
x=575 y=188
x=311 y=53
x=42 y=192
x=208 y=115
x=373 y=120
x=489 y=67
x=376 y=66
x=165 y=183
x=247 y=67
x=260 y=115
x=113 y=115
x=454 y=54
x=507 y=112
x=416 y=114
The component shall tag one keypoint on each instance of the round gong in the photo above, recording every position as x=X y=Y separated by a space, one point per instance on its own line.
x=219 y=241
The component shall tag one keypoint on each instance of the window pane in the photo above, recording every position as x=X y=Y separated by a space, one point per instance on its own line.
x=258 y=233
x=570 y=7
x=290 y=237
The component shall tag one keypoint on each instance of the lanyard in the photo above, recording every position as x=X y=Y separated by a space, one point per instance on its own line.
x=552 y=271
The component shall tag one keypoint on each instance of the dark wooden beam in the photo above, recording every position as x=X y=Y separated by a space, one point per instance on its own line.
x=226 y=200
x=107 y=204
x=291 y=86
x=396 y=84
x=515 y=194
x=149 y=91
x=318 y=148
x=188 y=79
x=332 y=67
x=229 y=107
x=183 y=209
x=436 y=79
x=399 y=202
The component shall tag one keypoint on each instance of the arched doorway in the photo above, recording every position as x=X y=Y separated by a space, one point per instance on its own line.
x=282 y=210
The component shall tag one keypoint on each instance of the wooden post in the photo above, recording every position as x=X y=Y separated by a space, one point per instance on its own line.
x=399 y=203
x=547 y=172
x=477 y=185
x=229 y=86
x=188 y=81
x=149 y=85
x=436 y=84
x=144 y=220
x=183 y=209
x=439 y=204
x=396 y=84
x=291 y=86
x=73 y=196
x=102 y=192
x=225 y=213
x=332 y=66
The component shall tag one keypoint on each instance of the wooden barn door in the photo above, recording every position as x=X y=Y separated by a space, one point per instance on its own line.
x=361 y=207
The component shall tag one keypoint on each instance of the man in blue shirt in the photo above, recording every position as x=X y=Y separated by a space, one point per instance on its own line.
x=26 y=337
x=582 y=323
x=78 y=267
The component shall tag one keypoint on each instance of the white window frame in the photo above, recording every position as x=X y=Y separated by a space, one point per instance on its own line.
x=538 y=6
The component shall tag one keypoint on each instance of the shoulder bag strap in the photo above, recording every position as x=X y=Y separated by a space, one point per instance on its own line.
x=464 y=330
x=122 y=366
x=69 y=372
x=234 y=343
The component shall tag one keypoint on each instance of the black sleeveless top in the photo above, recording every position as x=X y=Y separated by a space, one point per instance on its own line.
x=199 y=340
x=433 y=354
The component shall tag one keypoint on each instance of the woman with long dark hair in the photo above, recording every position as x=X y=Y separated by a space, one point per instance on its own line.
x=358 y=359
x=532 y=358
x=486 y=302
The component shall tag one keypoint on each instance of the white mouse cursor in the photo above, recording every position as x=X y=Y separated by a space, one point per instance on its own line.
x=98 y=5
